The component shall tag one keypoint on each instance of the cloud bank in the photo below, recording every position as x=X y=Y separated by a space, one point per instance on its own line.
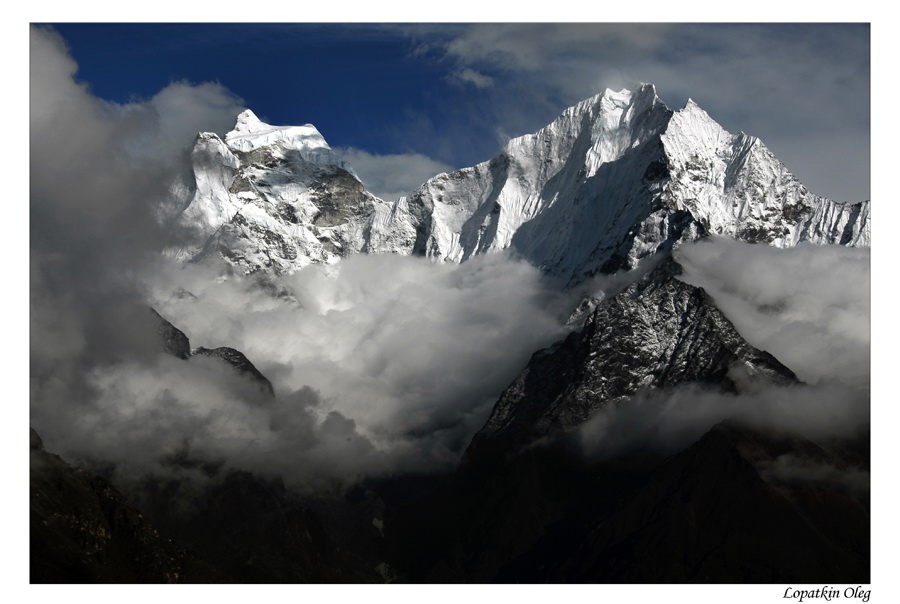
x=386 y=365
x=667 y=422
x=97 y=173
x=414 y=353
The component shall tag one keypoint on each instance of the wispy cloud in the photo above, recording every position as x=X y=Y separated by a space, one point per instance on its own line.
x=471 y=76
x=665 y=422
x=391 y=176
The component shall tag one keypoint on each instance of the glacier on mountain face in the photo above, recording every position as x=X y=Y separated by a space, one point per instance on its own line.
x=614 y=179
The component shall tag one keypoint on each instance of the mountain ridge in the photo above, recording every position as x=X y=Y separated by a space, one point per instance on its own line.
x=614 y=179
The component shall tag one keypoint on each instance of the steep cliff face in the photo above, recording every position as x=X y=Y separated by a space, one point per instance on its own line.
x=656 y=334
x=566 y=198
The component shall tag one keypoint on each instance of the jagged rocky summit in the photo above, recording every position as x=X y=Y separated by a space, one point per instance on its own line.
x=613 y=180
x=657 y=334
x=267 y=198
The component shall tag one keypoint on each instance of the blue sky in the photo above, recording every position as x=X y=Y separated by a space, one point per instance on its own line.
x=351 y=81
x=404 y=101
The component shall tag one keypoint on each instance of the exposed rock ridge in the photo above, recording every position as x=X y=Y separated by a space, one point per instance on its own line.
x=176 y=343
x=239 y=361
x=656 y=334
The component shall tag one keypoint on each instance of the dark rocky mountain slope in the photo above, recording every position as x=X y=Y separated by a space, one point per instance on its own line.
x=83 y=530
x=656 y=334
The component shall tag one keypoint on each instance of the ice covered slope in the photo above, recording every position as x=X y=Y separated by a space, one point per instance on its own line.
x=612 y=180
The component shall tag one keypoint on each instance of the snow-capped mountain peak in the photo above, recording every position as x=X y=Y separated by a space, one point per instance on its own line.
x=248 y=122
x=700 y=133
x=266 y=198
x=732 y=184
x=251 y=133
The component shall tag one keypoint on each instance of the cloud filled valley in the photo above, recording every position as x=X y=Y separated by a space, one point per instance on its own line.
x=389 y=364
x=380 y=364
